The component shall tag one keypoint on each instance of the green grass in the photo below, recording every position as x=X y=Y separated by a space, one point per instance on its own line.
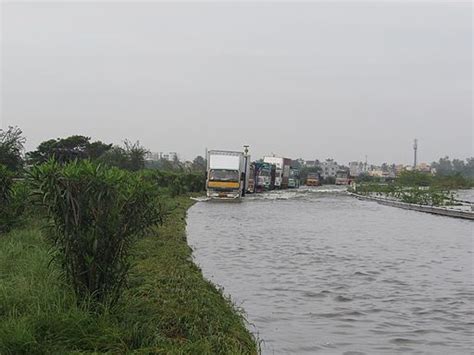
x=169 y=308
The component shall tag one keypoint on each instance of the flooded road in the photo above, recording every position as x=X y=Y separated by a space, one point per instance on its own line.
x=318 y=271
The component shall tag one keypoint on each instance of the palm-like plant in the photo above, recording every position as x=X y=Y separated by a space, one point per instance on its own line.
x=96 y=215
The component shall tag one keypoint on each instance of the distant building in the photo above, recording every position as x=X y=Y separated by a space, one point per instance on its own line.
x=381 y=173
x=356 y=168
x=172 y=156
x=399 y=168
x=329 y=168
x=153 y=156
x=426 y=168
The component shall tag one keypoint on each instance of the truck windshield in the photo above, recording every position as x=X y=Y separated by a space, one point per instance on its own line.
x=224 y=175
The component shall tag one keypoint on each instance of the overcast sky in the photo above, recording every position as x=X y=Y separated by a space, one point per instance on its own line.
x=311 y=80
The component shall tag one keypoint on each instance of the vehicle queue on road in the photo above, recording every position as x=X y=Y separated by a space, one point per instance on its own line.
x=231 y=174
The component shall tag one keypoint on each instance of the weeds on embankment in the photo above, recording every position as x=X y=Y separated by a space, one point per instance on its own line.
x=417 y=188
x=168 y=308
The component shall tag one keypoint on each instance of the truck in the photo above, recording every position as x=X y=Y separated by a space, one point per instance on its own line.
x=251 y=178
x=282 y=173
x=343 y=177
x=264 y=176
x=313 y=179
x=225 y=170
x=294 y=179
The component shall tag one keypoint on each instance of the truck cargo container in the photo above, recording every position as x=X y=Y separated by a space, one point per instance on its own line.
x=282 y=172
x=225 y=174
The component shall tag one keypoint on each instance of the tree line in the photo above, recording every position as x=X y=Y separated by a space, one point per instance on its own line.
x=131 y=156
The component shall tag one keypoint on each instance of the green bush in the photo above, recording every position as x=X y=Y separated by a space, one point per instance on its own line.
x=13 y=200
x=432 y=196
x=97 y=213
x=175 y=183
x=414 y=178
x=6 y=184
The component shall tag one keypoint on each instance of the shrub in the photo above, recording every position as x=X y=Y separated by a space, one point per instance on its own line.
x=6 y=183
x=97 y=213
x=414 y=178
x=13 y=199
x=11 y=148
x=175 y=183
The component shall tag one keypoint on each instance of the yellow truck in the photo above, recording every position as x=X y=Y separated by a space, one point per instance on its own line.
x=225 y=171
x=313 y=179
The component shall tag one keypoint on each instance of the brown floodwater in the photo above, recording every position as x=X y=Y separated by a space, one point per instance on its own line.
x=317 y=271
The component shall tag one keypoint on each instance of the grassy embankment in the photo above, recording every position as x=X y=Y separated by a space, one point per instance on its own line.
x=168 y=308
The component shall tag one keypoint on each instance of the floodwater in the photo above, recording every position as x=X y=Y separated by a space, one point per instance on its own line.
x=318 y=271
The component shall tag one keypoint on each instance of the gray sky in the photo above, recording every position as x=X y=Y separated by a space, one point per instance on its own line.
x=311 y=80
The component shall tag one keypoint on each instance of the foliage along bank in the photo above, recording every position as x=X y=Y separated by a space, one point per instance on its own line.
x=418 y=188
x=121 y=278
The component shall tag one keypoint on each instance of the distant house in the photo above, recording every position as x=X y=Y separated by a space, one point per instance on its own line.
x=426 y=168
x=329 y=168
x=172 y=156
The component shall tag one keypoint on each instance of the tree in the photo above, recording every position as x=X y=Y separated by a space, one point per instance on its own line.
x=11 y=148
x=414 y=178
x=136 y=154
x=446 y=167
x=64 y=150
x=199 y=164
x=96 y=149
x=443 y=167
x=458 y=166
x=469 y=168
x=115 y=157
x=129 y=157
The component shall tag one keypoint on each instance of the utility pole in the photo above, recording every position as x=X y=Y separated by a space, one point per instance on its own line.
x=415 y=149
x=246 y=151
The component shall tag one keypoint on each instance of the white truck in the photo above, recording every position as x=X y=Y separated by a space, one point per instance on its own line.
x=282 y=174
x=225 y=174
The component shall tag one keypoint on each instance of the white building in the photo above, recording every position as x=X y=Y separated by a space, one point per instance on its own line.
x=329 y=168
x=171 y=156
